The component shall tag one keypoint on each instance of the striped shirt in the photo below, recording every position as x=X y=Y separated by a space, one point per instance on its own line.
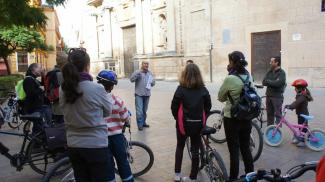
x=115 y=121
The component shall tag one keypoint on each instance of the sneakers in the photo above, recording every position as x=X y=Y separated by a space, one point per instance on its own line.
x=146 y=126
x=294 y=140
x=178 y=177
x=188 y=179
x=301 y=144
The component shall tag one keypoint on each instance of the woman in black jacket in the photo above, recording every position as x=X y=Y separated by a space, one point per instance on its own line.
x=189 y=106
x=35 y=97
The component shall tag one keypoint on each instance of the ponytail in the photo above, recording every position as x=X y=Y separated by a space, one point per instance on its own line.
x=70 y=84
x=78 y=61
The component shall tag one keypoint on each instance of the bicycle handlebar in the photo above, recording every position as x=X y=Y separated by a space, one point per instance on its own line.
x=275 y=174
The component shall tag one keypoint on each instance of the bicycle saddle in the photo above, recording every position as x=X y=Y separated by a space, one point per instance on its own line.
x=31 y=117
x=306 y=117
x=208 y=131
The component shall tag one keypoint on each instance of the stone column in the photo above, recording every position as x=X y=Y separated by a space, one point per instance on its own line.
x=139 y=26
x=147 y=27
x=171 y=28
x=108 y=33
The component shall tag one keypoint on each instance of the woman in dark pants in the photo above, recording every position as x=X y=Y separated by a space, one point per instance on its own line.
x=237 y=131
x=189 y=105
x=85 y=104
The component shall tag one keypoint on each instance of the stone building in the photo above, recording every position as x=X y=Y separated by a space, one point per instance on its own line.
x=168 y=32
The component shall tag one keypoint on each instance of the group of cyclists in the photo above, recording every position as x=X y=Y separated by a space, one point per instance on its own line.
x=94 y=117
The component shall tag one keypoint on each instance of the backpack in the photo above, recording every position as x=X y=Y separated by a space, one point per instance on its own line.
x=191 y=120
x=249 y=105
x=52 y=86
x=21 y=94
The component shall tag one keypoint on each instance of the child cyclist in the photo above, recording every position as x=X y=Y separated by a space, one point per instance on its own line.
x=115 y=123
x=300 y=105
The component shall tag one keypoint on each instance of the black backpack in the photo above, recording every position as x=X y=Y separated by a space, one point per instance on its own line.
x=249 y=105
x=191 y=117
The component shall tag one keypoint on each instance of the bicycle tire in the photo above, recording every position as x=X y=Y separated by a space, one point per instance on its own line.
x=219 y=136
x=37 y=151
x=257 y=155
x=222 y=171
x=272 y=141
x=151 y=158
x=262 y=118
x=52 y=173
x=315 y=146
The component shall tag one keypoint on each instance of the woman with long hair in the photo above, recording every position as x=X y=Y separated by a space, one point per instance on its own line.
x=237 y=131
x=85 y=104
x=189 y=106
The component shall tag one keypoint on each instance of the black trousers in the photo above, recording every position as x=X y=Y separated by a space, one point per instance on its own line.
x=91 y=164
x=273 y=110
x=238 y=139
x=195 y=146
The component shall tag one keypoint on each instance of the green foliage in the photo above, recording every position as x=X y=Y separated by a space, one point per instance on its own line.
x=18 y=12
x=19 y=37
x=8 y=83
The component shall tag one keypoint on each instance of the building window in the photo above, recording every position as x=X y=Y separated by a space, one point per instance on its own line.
x=22 y=61
x=323 y=5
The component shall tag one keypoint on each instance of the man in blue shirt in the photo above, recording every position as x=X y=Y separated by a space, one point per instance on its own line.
x=144 y=80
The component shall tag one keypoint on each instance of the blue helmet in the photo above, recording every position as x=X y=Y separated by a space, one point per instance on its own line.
x=106 y=77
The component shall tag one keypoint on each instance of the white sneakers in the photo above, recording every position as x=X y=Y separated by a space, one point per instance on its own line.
x=188 y=179
x=297 y=142
x=178 y=178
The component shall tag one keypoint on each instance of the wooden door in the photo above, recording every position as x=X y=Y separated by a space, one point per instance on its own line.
x=264 y=46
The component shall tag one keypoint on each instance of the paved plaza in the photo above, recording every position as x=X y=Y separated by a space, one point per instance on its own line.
x=162 y=139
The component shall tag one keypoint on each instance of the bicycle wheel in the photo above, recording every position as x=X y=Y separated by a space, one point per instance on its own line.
x=39 y=157
x=215 y=120
x=273 y=136
x=256 y=141
x=315 y=140
x=61 y=165
x=140 y=157
x=216 y=168
x=262 y=118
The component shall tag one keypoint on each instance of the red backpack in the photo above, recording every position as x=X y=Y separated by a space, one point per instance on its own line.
x=51 y=86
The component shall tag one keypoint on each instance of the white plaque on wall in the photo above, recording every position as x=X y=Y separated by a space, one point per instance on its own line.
x=296 y=37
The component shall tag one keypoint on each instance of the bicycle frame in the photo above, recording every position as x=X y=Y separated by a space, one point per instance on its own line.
x=4 y=150
x=296 y=129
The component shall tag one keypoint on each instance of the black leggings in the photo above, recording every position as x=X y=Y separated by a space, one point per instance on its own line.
x=238 y=138
x=195 y=145
x=90 y=164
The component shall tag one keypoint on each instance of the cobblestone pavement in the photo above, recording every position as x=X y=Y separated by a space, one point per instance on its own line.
x=162 y=140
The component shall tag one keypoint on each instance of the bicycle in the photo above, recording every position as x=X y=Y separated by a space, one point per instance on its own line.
x=262 y=118
x=211 y=160
x=275 y=174
x=11 y=111
x=313 y=138
x=215 y=120
x=136 y=152
x=34 y=149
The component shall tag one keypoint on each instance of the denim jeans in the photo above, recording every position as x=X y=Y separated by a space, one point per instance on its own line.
x=46 y=114
x=117 y=144
x=141 y=106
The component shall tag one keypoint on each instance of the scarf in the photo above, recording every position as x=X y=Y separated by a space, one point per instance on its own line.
x=85 y=76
